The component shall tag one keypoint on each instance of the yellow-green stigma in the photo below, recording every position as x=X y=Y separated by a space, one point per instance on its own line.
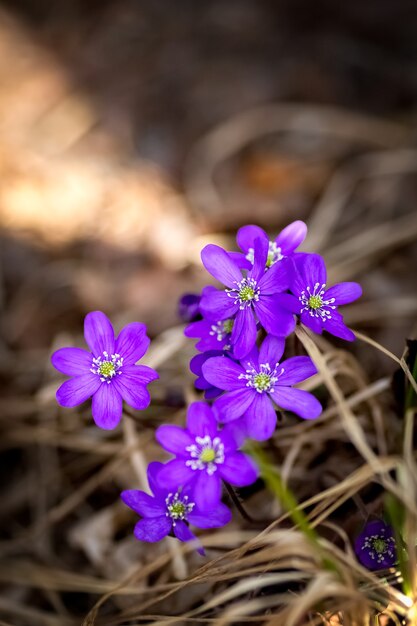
x=261 y=381
x=379 y=545
x=107 y=369
x=315 y=302
x=177 y=510
x=228 y=326
x=208 y=455
x=246 y=294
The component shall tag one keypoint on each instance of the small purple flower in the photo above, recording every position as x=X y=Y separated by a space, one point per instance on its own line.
x=375 y=546
x=108 y=373
x=282 y=247
x=317 y=306
x=204 y=457
x=196 y=365
x=258 y=382
x=169 y=511
x=213 y=334
x=189 y=307
x=256 y=296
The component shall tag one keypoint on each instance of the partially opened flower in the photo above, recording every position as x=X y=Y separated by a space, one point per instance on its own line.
x=213 y=334
x=259 y=383
x=189 y=307
x=247 y=299
x=282 y=247
x=375 y=546
x=317 y=305
x=108 y=373
x=170 y=511
x=196 y=366
x=205 y=456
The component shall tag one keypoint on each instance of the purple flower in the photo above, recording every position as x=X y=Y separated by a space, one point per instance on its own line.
x=375 y=546
x=317 y=306
x=108 y=373
x=188 y=307
x=258 y=382
x=282 y=247
x=249 y=298
x=170 y=510
x=196 y=365
x=204 y=457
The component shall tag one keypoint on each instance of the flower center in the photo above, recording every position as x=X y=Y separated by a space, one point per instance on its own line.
x=380 y=545
x=221 y=329
x=245 y=293
x=178 y=507
x=106 y=369
x=107 y=366
x=274 y=254
x=315 y=304
x=379 y=548
x=206 y=453
x=264 y=380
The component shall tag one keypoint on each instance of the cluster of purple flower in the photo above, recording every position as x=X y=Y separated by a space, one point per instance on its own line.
x=266 y=286
x=241 y=331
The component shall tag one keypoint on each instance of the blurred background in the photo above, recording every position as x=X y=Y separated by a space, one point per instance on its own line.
x=131 y=134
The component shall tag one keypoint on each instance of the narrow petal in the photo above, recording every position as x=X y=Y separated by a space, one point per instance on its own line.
x=175 y=474
x=217 y=305
x=247 y=235
x=197 y=329
x=239 y=470
x=98 y=333
x=72 y=361
x=153 y=472
x=297 y=401
x=107 y=406
x=288 y=302
x=296 y=369
x=220 y=516
x=275 y=280
x=223 y=373
x=240 y=260
x=260 y=256
x=174 y=439
x=312 y=269
x=291 y=237
x=271 y=350
x=218 y=263
x=182 y=532
x=343 y=293
x=153 y=529
x=273 y=318
x=207 y=490
x=132 y=390
x=233 y=404
x=244 y=333
x=312 y=322
x=261 y=418
x=339 y=329
x=201 y=420
x=132 y=342
x=142 y=503
x=139 y=374
x=77 y=390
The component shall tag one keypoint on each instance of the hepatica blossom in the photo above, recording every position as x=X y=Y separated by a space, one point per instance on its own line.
x=258 y=383
x=170 y=511
x=282 y=247
x=375 y=546
x=108 y=373
x=249 y=297
x=189 y=307
x=205 y=456
x=317 y=305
